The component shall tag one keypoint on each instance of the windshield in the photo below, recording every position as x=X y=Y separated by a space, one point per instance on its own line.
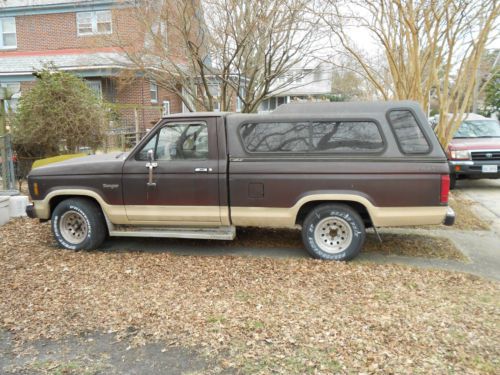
x=478 y=129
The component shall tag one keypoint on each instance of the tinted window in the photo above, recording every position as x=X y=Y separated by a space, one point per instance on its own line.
x=408 y=133
x=331 y=136
x=178 y=142
x=275 y=137
x=361 y=136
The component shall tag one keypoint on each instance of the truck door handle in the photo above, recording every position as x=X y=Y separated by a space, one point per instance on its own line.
x=202 y=170
x=150 y=166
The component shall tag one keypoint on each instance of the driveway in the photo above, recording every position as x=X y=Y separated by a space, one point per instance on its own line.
x=487 y=194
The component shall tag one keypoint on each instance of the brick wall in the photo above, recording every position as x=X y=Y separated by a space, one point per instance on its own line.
x=25 y=86
x=138 y=92
x=59 y=31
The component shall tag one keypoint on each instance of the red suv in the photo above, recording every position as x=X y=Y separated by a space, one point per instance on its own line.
x=474 y=151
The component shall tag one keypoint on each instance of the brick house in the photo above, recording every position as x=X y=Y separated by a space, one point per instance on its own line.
x=75 y=36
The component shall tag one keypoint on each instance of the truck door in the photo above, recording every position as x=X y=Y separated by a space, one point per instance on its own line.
x=173 y=178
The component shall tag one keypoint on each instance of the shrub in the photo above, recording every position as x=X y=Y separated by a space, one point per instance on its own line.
x=58 y=115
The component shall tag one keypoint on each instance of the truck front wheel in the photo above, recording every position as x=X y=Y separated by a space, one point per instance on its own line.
x=333 y=232
x=78 y=224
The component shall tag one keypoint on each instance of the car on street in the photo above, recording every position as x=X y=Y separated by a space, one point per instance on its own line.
x=474 y=151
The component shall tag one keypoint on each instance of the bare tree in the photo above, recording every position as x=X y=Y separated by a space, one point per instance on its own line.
x=429 y=46
x=211 y=52
x=489 y=65
x=347 y=81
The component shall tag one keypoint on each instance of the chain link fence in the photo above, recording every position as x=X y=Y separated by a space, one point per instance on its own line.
x=7 y=165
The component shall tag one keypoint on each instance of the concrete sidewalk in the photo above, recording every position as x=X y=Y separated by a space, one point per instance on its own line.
x=481 y=247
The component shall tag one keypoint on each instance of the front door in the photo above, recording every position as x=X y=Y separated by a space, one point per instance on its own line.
x=183 y=188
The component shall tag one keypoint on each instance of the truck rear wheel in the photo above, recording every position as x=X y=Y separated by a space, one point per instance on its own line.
x=78 y=224
x=333 y=232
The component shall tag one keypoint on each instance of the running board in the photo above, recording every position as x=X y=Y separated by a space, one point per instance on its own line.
x=218 y=233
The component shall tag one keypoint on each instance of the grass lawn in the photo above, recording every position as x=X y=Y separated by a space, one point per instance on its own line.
x=253 y=315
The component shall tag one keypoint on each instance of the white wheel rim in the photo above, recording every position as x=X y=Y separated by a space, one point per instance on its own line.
x=73 y=227
x=333 y=235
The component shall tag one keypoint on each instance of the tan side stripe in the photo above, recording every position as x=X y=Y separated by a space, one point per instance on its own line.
x=246 y=216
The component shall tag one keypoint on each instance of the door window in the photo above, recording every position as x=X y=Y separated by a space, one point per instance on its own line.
x=178 y=142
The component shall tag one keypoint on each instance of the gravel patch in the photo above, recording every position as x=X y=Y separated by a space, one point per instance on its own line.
x=257 y=315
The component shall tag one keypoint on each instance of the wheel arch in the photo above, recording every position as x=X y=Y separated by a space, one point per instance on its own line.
x=56 y=199
x=359 y=207
x=45 y=207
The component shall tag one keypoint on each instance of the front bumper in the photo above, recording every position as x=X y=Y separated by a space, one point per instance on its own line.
x=449 y=219
x=473 y=168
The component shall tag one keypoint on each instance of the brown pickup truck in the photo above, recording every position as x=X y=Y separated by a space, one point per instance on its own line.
x=332 y=169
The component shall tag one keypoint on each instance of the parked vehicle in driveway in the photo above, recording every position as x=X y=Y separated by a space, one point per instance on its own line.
x=474 y=151
x=332 y=169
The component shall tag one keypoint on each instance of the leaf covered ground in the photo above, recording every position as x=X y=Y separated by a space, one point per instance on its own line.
x=466 y=218
x=416 y=245
x=253 y=315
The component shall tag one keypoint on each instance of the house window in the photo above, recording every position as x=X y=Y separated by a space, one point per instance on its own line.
x=11 y=92
x=95 y=86
x=216 y=105
x=318 y=75
x=239 y=102
x=157 y=36
x=214 y=90
x=281 y=100
x=166 y=108
x=8 y=37
x=272 y=103
x=299 y=77
x=93 y=23
x=282 y=79
x=153 y=89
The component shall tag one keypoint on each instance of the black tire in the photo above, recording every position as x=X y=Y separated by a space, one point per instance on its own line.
x=453 y=181
x=340 y=215
x=88 y=215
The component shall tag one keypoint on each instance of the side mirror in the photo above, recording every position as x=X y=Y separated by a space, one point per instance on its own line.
x=151 y=156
